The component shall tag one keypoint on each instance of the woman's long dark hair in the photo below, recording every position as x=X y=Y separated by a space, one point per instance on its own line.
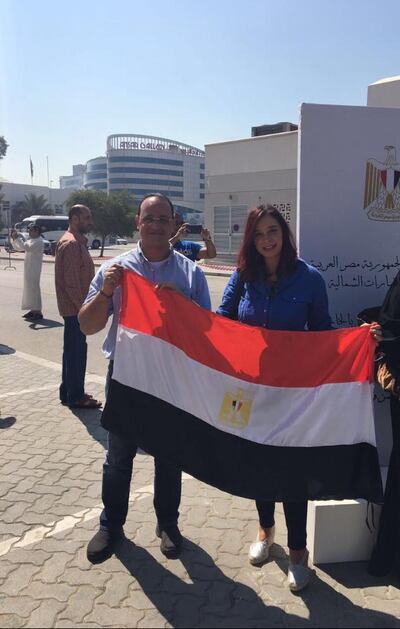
x=250 y=262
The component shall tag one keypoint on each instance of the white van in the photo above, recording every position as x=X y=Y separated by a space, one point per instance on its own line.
x=53 y=227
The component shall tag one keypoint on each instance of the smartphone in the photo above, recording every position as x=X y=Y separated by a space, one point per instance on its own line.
x=195 y=229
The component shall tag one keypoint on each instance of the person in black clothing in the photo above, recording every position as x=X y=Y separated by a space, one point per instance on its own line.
x=386 y=554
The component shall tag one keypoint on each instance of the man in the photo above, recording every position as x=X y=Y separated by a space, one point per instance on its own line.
x=33 y=247
x=192 y=250
x=154 y=259
x=74 y=270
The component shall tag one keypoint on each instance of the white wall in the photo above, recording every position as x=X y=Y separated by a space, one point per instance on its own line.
x=384 y=93
x=262 y=153
x=15 y=192
x=245 y=173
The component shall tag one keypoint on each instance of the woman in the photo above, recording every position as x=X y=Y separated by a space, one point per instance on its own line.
x=273 y=288
x=386 y=554
x=33 y=247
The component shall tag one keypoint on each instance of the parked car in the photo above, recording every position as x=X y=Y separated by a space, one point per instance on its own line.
x=121 y=241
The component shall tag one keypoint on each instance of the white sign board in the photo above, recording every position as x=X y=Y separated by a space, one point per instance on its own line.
x=349 y=204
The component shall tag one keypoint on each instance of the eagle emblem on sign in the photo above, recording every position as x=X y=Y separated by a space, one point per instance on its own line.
x=382 y=188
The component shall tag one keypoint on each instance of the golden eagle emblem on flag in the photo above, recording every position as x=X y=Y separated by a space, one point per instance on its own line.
x=235 y=409
x=382 y=188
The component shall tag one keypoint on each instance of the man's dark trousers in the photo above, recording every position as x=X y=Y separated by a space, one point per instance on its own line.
x=72 y=387
x=117 y=475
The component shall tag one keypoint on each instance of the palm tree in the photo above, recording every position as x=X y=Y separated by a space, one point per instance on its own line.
x=37 y=204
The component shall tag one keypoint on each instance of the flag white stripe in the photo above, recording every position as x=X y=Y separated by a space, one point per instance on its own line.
x=328 y=415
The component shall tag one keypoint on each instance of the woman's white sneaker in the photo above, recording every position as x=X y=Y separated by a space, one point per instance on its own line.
x=299 y=574
x=259 y=551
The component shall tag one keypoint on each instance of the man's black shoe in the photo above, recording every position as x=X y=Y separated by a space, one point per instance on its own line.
x=171 y=540
x=102 y=545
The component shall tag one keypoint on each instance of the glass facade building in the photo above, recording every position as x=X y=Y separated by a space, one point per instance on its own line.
x=146 y=164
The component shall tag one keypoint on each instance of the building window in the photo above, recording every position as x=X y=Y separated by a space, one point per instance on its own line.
x=174 y=194
x=146 y=182
x=97 y=186
x=201 y=195
x=97 y=175
x=145 y=160
x=146 y=171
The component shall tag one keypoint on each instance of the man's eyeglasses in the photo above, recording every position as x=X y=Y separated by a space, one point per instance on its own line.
x=149 y=220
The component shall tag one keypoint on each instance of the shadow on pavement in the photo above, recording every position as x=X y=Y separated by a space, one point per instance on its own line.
x=44 y=324
x=214 y=600
x=91 y=418
x=5 y=350
x=7 y=422
x=355 y=575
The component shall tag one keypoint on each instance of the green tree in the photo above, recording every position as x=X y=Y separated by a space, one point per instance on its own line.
x=3 y=146
x=19 y=211
x=37 y=204
x=112 y=213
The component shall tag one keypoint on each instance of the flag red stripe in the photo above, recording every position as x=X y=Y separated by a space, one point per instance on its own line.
x=268 y=357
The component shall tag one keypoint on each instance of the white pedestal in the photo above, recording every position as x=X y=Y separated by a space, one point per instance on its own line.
x=337 y=530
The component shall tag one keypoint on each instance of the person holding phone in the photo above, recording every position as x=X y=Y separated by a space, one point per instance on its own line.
x=192 y=250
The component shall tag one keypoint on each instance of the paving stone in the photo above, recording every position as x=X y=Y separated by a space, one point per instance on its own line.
x=80 y=604
x=117 y=590
x=115 y=617
x=54 y=567
x=18 y=605
x=45 y=615
x=18 y=579
x=152 y=619
x=387 y=606
x=73 y=576
x=10 y=620
x=58 y=591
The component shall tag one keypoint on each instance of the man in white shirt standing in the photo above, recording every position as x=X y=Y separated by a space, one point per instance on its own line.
x=33 y=247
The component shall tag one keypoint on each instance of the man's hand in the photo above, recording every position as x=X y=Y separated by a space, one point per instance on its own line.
x=182 y=231
x=112 y=279
x=14 y=234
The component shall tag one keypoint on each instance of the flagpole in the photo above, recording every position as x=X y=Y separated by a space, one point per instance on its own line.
x=31 y=167
x=48 y=175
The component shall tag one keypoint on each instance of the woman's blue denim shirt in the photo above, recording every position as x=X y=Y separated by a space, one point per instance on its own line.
x=295 y=302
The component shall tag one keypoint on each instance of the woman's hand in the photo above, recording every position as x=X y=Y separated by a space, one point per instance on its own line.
x=375 y=331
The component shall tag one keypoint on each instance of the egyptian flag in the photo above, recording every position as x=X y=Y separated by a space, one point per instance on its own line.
x=257 y=413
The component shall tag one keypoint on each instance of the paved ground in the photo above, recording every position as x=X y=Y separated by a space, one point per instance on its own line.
x=49 y=505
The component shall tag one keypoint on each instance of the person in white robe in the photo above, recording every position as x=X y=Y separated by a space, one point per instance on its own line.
x=33 y=247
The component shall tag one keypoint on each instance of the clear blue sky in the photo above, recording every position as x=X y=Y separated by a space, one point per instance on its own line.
x=72 y=73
